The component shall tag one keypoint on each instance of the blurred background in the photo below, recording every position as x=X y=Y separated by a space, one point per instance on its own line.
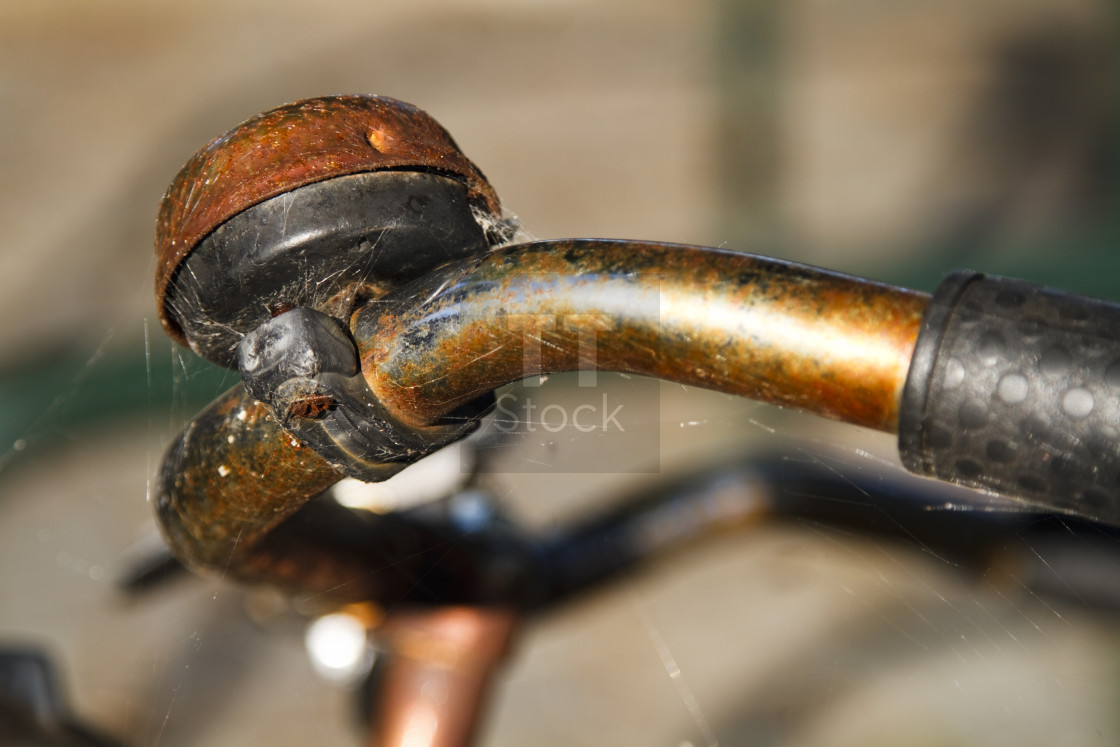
x=896 y=140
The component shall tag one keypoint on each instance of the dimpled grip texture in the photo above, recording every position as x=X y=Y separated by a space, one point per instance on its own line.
x=1015 y=388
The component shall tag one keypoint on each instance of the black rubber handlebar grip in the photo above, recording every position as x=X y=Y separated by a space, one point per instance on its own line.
x=1014 y=388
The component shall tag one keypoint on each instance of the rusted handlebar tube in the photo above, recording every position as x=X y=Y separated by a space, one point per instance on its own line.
x=771 y=330
x=236 y=496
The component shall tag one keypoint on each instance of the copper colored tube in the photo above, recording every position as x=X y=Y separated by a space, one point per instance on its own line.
x=230 y=478
x=440 y=671
x=235 y=497
x=773 y=331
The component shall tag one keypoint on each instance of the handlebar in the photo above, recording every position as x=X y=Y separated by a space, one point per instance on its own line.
x=1012 y=388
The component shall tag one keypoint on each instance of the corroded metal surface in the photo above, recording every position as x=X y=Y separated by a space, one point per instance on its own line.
x=292 y=146
x=236 y=491
x=761 y=328
x=238 y=496
x=230 y=478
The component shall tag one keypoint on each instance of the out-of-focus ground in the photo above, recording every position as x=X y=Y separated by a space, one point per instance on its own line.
x=897 y=140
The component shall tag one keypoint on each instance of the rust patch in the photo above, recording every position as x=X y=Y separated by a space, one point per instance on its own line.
x=311 y=407
x=278 y=309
